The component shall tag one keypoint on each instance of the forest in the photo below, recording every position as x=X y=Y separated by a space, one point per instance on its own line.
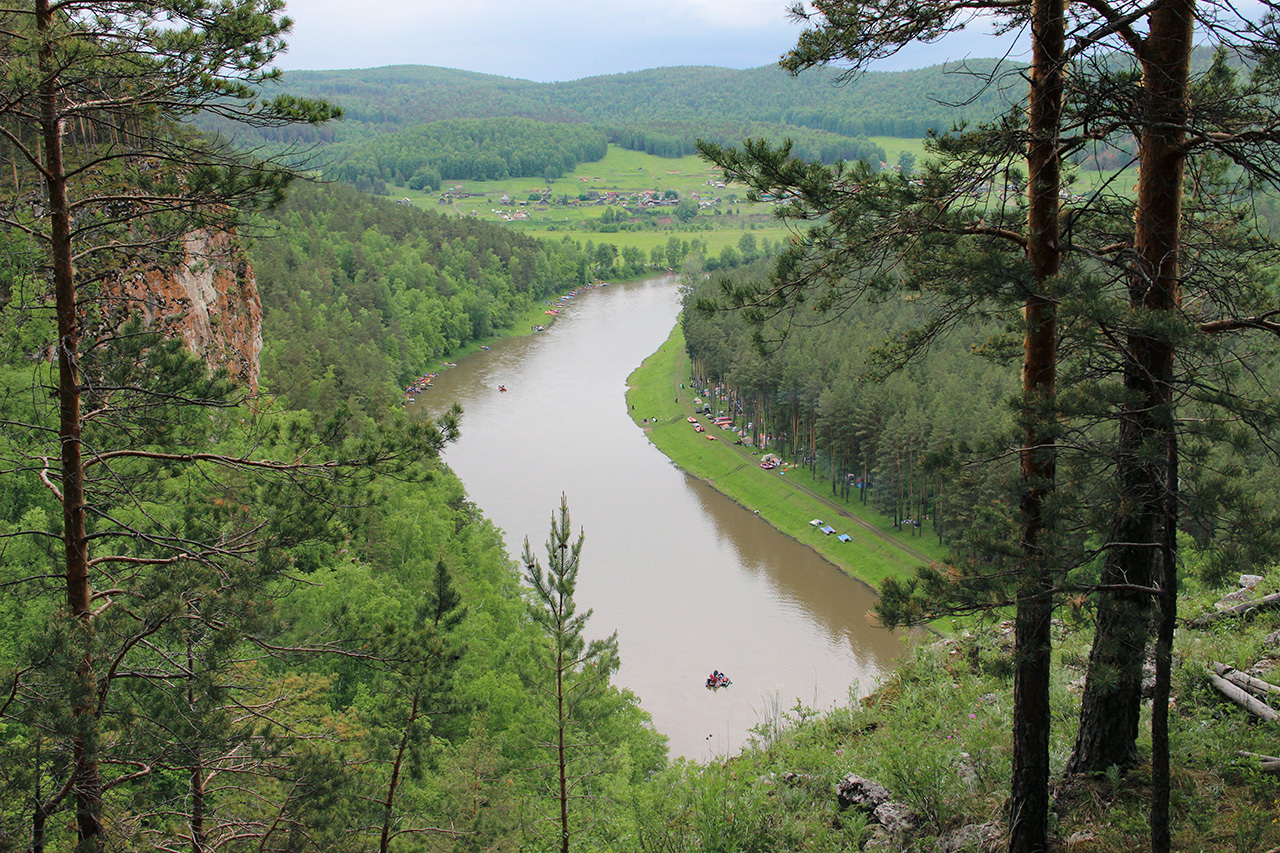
x=392 y=115
x=905 y=103
x=475 y=149
x=421 y=156
x=255 y=611
x=250 y=612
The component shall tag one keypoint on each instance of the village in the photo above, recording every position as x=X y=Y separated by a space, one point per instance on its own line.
x=541 y=200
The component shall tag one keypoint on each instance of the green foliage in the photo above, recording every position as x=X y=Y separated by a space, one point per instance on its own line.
x=887 y=441
x=362 y=296
x=572 y=678
x=465 y=149
x=686 y=210
x=665 y=108
x=680 y=138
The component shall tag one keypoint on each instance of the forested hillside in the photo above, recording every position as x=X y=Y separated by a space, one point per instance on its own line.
x=471 y=149
x=254 y=618
x=390 y=134
x=363 y=295
x=905 y=103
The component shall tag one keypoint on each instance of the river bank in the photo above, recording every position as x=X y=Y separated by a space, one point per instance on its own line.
x=689 y=579
x=788 y=502
x=525 y=323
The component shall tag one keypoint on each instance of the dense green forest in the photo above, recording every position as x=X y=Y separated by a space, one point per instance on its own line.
x=817 y=392
x=268 y=618
x=679 y=138
x=401 y=123
x=472 y=149
x=421 y=156
x=361 y=297
x=916 y=438
x=905 y=103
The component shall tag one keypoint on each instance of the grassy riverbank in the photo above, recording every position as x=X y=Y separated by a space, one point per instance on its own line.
x=787 y=501
x=937 y=732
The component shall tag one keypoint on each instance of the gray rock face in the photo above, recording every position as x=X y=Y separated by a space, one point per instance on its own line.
x=880 y=842
x=893 y=820
x=1231 y=599
x=894 y=817
x=855 y=792
x=973 y=838
x=1250 y=581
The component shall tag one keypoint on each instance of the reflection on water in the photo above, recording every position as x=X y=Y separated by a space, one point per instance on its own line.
x=691 y=581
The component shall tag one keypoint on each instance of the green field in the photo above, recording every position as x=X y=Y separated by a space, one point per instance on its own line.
x=894 y=145
x=787 y=501
x=620 y=171
x=624 y=172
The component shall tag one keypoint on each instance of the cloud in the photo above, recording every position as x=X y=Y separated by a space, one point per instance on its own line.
x=559 y=40
x=564 y=39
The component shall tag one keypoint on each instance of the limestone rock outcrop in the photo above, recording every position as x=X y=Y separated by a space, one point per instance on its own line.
x=209 y=299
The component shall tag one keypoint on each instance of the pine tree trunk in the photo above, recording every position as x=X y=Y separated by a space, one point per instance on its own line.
x=88 y=783
x=561 y=755
x=388 y=805
x=1029 y=791
x=1112 y=699
x=1161 y=783
x=1172 y=33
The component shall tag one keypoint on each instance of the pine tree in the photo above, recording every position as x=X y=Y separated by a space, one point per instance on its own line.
x=1115 y=270
x=573 y=670
x=107 y=182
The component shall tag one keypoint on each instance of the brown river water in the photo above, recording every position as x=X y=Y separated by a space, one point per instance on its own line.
x=690 y=580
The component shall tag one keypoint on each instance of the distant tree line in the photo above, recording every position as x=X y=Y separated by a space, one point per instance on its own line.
x=680 y=139
x=682 y=102
x=464 y=149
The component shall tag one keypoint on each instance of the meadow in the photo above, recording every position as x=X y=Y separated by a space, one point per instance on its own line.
x=624 y=172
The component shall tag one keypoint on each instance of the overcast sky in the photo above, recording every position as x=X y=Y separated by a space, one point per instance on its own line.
x=546 y=40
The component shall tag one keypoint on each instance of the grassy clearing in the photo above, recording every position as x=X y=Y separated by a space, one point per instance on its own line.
x=787 y=501
x=895 y=145
x=620 y=171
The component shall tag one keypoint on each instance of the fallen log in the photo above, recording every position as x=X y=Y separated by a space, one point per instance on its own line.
x=1257 y=707
x=1256 y=686
x=1242 y=609
x=1267 y=763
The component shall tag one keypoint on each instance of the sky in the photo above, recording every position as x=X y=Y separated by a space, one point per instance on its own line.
x=552 y=40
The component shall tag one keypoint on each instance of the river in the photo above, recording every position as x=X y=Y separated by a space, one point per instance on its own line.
x=690 y=580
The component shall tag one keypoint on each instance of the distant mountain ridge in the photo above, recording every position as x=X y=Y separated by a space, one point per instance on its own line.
x=900 y=103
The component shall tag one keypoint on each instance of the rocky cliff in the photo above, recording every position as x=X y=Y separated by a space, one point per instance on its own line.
x=209 y=299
